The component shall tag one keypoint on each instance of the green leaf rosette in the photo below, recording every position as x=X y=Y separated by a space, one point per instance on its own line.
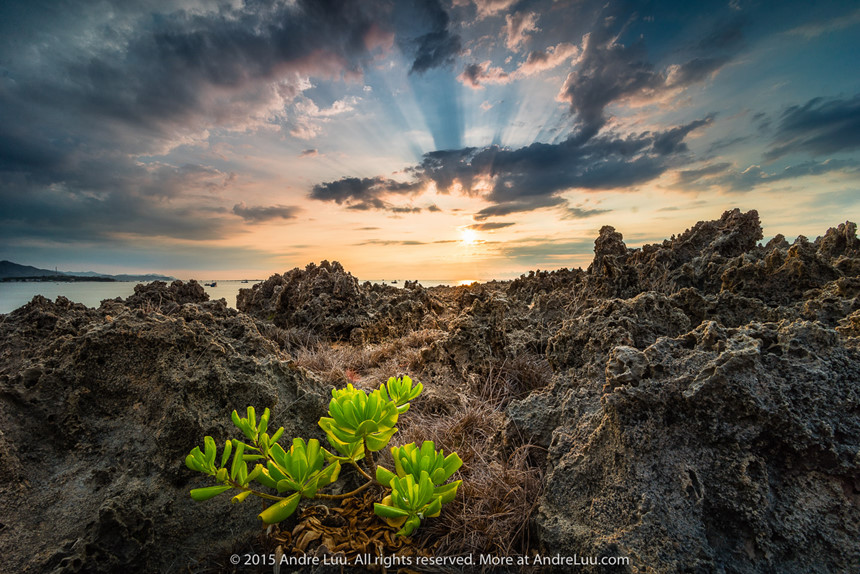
x=358 y=418
x=410 y=501
x=400 y=392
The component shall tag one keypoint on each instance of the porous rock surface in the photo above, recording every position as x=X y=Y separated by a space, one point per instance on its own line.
x=330 y=302
x=704 y=414
x=98 y=408
x=696 y=402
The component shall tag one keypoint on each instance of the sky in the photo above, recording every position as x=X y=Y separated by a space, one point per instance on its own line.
x=414 y=139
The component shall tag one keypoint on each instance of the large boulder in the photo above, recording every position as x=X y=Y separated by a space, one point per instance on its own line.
x=703 y=413
x=98 y=409
x=330 y=302
x=719 y=450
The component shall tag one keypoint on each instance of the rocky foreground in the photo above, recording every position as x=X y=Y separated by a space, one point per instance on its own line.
x=693 y=406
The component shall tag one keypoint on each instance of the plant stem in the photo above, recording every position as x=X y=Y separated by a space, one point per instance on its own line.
x=345 y=495
x=361 y=470
x=255 y=492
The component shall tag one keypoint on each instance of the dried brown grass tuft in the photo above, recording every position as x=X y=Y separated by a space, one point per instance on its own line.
x=511 y=379
x=492 y=514
x=501 y=487
x=367 y=365
x=290 y=339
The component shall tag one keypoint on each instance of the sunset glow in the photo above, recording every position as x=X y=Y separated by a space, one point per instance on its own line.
x=468 y=236
x=422 y=139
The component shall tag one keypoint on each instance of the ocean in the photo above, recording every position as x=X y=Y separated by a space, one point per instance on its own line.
x=92 y=293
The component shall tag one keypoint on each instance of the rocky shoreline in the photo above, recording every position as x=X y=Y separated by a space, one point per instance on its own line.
x=692 y=405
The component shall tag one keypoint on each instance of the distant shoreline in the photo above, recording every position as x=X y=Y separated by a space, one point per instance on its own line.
x=57 y=278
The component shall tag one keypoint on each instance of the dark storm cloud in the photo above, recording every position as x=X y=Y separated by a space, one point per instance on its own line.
x=79 y=199
x=362 y=191
x=609 y=71
x=423 y=32
x=531 y=177
x=259 y=213
x=519 y=206
x=54 y=212
x=672 y=141
x=818 y=127
x=97 y=85
x=180 y=70
x=722 y=176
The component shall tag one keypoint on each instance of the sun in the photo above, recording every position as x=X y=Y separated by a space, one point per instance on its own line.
x=468 y=236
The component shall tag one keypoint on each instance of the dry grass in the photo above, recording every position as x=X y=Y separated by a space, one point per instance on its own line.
x=492 y=513
x=289 y=340
x=511 y=379
x=501 y=484
x=369 y=365
x=501 y=489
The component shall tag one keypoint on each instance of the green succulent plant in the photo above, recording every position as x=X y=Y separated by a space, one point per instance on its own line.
x=410 y=502
x=359 y=423
x=410 y=460
x=356 y=417
x=401 y=392
x=237 y=476
x=300 y=469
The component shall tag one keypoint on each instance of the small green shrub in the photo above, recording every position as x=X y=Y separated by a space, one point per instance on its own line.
x=358 y=423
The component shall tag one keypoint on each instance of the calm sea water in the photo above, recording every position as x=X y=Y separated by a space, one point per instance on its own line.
x=91 y=294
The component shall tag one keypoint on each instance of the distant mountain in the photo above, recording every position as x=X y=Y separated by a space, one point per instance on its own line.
x=10 y=270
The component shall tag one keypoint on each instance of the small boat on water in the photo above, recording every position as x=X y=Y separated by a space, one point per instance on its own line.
x=244 y=280
x=213 y=284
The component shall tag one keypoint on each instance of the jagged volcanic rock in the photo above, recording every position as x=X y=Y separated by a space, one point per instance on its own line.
x=98 y=408
x=704 y=415
x=696 y=401
x=330 y=301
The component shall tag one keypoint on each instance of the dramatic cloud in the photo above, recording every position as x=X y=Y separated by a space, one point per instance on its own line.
x=92 y=202
x=258 y=214
x=490 y=226
x=364 y=193
x=518 y=27
x=103 y=87
x=186 y=72
x=542 y=60
x=818 y=127
x=723 y=177
x=531 y=177
x=492 y=7
x=476 y=75
x=609 y=71
x=423 y=33
x=181 y=122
